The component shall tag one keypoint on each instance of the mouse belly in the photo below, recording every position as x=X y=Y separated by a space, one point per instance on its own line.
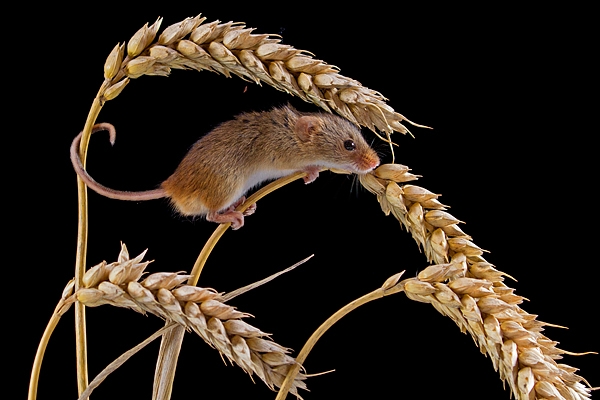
x=263 y=176
x=202 y=202
x=216 y=196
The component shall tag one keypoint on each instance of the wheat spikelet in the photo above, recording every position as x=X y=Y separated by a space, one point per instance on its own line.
x=465 y=287
x=197 y=309
x=230 y=48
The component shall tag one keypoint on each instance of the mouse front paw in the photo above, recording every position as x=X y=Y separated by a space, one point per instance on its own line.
x=312 y=173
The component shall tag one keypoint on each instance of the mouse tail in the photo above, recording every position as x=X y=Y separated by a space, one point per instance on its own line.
x=101 y=189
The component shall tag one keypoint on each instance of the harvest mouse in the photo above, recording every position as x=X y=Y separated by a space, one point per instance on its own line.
x=239 y=154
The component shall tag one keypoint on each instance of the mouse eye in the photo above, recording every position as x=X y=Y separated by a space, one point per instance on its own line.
x=349 y=145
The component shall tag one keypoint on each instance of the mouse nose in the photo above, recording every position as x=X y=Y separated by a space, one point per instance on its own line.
x=374 y=161
x=369 y=161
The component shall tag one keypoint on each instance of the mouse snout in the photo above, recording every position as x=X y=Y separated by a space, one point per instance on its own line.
x=368 y=161
x=372 y=162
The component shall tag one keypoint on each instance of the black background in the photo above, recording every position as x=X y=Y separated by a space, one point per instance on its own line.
x=508 y=93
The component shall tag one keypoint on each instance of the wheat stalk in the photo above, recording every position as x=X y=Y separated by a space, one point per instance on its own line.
x=465 y=287
x=197 y=309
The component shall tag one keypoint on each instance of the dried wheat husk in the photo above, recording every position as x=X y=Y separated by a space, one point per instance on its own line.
x=232 y=49
x=197 y=309
x=462 y=285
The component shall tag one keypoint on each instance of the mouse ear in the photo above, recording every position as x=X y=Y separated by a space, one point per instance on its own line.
x=307 y=126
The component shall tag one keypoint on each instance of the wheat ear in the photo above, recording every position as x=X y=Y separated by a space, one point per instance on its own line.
x=197 y=309
x=232 y=49
x=465 y=287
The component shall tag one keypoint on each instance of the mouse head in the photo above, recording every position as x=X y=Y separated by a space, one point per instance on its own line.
x=334 y=142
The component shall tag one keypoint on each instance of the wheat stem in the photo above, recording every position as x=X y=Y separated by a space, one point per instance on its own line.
x=214 y=238
x=62 y=307
x=122 y=359
x=166 y=362
x=171 y=343
x=39 y=356
x=82 y=233
x=342 y=312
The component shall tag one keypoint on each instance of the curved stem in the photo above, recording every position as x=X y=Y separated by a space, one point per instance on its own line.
x=63 y=305
x=110 y=368
x=39 y=356
x=171 y=342
x=82 y=235
x=310 y=343
x=212 y=241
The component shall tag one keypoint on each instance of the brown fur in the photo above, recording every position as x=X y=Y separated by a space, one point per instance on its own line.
x=241 y=153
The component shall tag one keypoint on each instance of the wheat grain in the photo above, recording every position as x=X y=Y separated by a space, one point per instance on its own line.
x=230 y=48
x=200 y=310
x=465 y=287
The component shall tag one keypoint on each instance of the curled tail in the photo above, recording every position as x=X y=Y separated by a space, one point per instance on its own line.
x=101 y=189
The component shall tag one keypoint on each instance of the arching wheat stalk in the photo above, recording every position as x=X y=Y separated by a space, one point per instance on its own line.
x=465 y=287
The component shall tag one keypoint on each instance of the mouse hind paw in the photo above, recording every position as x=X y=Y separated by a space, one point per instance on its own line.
x=249 y=211
x=235 y=217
